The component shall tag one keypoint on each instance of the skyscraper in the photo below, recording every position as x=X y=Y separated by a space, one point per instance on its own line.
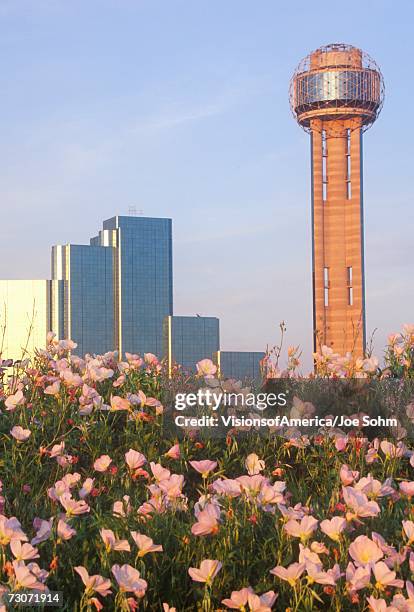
x=83 y=303
x=143 y=286
x=336 y=93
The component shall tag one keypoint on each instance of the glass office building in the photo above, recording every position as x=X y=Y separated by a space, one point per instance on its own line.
x=24 y=317
x=117 y=290
x=187 y=340
x=143 y=279
x=83 y=303
x=242 y=365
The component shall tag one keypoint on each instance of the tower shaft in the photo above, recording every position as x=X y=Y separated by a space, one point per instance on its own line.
x=338 y=251
x=336 y=93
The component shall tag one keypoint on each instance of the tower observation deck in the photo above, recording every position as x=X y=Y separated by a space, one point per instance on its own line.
x=336 y=93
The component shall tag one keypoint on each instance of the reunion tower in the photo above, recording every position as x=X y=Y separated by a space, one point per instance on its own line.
x=336 y=93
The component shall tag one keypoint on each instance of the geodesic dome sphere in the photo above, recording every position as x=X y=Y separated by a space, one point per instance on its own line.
x=336 y=82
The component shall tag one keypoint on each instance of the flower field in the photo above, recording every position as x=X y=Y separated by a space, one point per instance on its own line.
x=99 y=500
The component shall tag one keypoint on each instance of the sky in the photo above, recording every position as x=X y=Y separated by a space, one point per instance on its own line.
x=180 y=109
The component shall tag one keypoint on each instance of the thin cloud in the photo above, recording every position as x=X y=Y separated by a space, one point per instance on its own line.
x=223 y=102
x=166 y=122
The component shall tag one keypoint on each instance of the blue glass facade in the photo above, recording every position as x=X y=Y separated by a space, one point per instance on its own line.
x=87 y=293
x=242 y=365
x=187 y=340
x=118 y=289
x=143 y=279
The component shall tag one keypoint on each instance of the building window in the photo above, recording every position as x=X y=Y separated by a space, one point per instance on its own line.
x=348 y=165
x=324 y=166
x=326 y=286
x=350 y=286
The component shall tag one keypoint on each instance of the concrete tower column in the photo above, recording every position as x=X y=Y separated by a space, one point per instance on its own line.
x=336 y=93
x=337 y=236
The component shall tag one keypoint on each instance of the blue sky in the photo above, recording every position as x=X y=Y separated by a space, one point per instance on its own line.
x=180 y=108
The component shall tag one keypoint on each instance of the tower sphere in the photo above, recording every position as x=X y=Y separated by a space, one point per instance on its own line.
x=336 y=82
